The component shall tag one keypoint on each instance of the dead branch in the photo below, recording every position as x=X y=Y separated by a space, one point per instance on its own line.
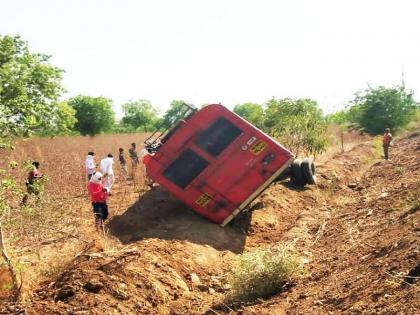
x=212 y=310
x=320 y=232
x=402 y=278
x=87 y=247
x=16 y=287
x=66 y=233
x=127 y=254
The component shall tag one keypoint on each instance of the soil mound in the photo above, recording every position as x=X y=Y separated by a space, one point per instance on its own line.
x=365 y=252
x=156 y=214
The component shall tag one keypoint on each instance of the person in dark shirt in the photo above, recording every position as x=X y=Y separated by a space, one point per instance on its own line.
x=123 y=163
x=134 y=158
x=33 y=186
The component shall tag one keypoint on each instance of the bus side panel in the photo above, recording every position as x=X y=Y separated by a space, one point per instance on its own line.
x=247 y=163
x=232 y=176
x=204 y=200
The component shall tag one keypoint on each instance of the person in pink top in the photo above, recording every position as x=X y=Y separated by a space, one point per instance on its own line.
x=98 y=195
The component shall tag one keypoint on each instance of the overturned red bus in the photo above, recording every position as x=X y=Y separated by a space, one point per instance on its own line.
x=215 y=162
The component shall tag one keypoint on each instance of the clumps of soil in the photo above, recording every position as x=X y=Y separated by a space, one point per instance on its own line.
x=357 y=231
x=366 y=255
x=143 y=279
x=125 y=281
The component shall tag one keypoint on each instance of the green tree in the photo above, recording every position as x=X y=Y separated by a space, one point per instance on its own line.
x=94 y=114
x=29 y=88
x=341 y=119
x=251 y=112
x=140 y=115
x=299 y=124
x=67 y=118
x=177 y=110
x=61 y=123
x=378 y=108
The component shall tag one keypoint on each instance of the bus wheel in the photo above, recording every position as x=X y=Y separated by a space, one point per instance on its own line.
x=297 y=174
x=308 y=171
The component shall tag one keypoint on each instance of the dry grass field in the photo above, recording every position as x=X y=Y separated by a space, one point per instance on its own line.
x=49 y=233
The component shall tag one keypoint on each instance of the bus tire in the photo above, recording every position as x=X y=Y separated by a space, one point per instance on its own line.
x=308 y=171
x=297 y=174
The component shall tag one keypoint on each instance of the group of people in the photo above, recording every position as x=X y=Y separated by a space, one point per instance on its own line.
x=100 y=182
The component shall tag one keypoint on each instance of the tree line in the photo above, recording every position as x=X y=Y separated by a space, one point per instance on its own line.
x=30 y=91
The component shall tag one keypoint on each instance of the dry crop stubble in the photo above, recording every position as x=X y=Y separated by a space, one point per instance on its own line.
x=62 y=158
x=57 y=228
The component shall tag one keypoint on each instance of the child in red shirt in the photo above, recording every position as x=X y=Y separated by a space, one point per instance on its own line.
x=98 y=195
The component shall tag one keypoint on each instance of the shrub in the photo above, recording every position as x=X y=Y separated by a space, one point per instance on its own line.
x=378 y=108
x=263 y=272
x=297 y=124
x=377 y=143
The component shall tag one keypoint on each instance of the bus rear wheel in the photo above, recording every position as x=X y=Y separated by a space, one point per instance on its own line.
x=308 y=171
x=303 y=172
x=297 y=174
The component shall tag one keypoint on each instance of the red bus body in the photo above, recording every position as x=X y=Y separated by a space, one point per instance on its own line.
x=217 y=163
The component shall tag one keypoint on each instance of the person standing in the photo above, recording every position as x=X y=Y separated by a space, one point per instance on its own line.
x=108 y=172
x=90 y=165
x=98 y=196
x=33 y=186
x=123 y=163
x=146 y=156
x=386 y=142
x=134 y=158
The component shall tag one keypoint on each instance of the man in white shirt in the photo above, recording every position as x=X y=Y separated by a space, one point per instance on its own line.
x=90 y=165
x=107 y=171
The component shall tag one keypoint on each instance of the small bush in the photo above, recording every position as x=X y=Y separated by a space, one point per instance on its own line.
x=377 y=143
x=263 y=272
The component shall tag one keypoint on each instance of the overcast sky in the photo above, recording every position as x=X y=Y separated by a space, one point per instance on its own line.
x=228 y=51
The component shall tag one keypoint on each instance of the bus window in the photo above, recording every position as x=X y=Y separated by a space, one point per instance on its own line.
x=185 y=168
x=218 y=136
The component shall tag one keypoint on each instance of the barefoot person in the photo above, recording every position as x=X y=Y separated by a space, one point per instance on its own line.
x=98 y=195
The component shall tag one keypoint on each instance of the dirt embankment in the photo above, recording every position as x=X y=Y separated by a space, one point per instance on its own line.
x=358 y=230
x=365 y=250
